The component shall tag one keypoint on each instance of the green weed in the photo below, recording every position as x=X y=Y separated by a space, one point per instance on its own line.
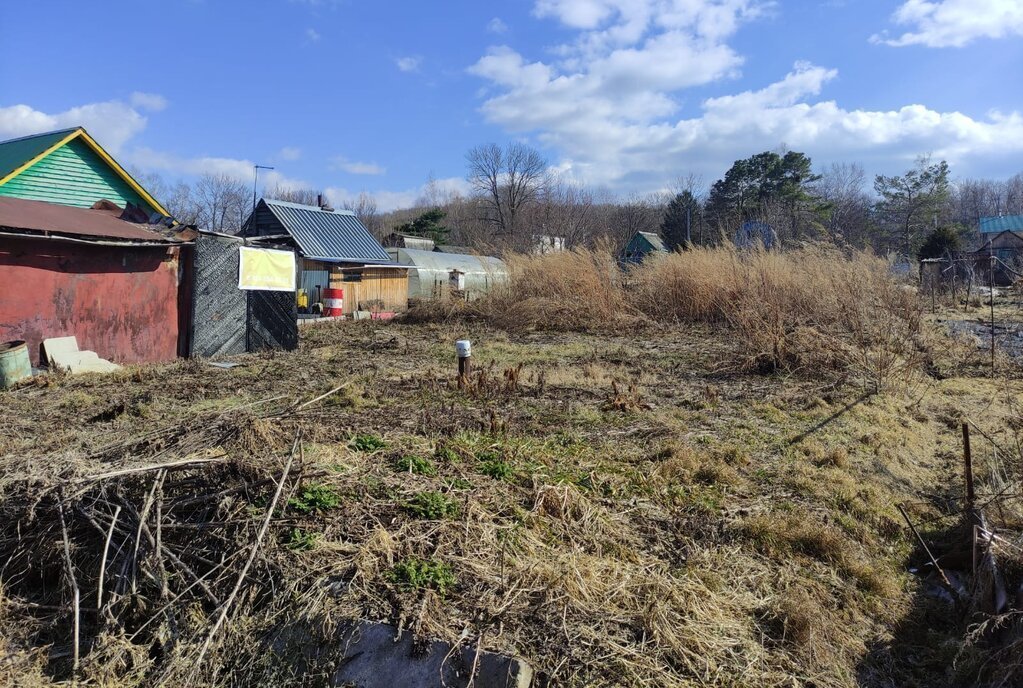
x=301 y=540
x=432 y=506
x=368 y=443
x=315 y=497
x=415 y=464
x=418 y=574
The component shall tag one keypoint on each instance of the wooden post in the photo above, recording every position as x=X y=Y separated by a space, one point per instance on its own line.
x=991 y=289
x=968 y=466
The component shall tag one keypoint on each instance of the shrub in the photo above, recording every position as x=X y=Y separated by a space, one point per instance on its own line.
x=301 y=540
x=496 y=468
x=432 y=506
x=368 y=443
x=418 y=574
x=415 y=464
x=314 y=497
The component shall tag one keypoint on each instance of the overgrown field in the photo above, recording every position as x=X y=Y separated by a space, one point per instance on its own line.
x=641 y=507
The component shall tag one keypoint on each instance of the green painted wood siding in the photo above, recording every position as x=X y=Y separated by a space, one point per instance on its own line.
x=72 y=175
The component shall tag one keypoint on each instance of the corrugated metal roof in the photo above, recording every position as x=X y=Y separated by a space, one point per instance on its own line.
x=1002 y=223
x=40 y=216
x=655 y=241
x=335 y=235
x=16 y=152
x=446 y=262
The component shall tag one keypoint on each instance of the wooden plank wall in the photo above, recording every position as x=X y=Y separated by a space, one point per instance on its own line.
x=377 y=284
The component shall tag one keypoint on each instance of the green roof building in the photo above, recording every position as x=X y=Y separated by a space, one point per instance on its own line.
x=68 y=167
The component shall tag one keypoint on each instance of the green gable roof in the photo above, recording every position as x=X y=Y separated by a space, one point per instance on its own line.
x=1002 y=223
x=68 y=167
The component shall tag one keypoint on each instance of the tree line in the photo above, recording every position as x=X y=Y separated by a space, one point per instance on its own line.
x=514 y=200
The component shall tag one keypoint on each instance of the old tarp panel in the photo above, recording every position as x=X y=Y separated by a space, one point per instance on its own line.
x=273 y=320
x=219 y=308
x=227 y=320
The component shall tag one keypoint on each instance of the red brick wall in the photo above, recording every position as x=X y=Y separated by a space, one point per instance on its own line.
x=123 y=303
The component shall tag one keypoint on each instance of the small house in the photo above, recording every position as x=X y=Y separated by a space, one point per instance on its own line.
x=335 y=252
x=85 y=251
x=1002 y=223
x=1005 y=251
x=435 y=275
x=115 y=285
x=68 y=167
x=641 y=245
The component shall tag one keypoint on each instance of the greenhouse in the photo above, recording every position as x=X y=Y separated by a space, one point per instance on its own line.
x=435 y=275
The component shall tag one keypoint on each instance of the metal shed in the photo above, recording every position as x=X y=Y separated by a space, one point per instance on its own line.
x=430 y=273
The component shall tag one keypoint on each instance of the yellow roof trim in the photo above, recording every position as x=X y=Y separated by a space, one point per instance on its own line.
x=98 y=149
x=18 y=170
x=121 y=171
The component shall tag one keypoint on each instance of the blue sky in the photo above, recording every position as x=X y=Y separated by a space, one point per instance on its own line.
x=351 y=96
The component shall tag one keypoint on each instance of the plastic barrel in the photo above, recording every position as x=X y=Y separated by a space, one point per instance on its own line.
x=14 y=363
x=333 y=302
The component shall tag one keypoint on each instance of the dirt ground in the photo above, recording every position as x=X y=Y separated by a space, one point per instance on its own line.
x=626 y=509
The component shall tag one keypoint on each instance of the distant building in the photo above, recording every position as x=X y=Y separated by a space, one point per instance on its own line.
x=754 y=233
x=336 y=251
x=544 y=244
x=68 y=167
x=433 y=275
x=1001 y=223
x=641 y=245
x=399 y=240
x=1006 y=248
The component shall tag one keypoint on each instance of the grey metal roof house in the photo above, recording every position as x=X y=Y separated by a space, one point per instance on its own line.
x=323 y=234
x=337 y=252
x=429 y=274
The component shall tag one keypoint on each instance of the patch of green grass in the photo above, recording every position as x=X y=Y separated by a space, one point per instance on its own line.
x=497 y=469
x=367 y=443
x=315 y=497
x=458 y=484
x=415 y=464
x=301 y=540
x=431 y=506
x=418 y=574
x=447 y=454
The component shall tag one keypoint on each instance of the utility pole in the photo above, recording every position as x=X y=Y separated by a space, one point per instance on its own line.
x=689 y=213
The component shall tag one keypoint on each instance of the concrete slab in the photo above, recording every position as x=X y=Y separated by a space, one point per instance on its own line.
x=62 y=352
x=59 y=346
x=377 y=656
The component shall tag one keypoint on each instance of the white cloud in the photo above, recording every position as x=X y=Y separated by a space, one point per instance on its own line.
x=153 y=102
x=312 y=35
x=607 y=103
x=289 y=153
x=409 y=64
x=392 y=200
x=496 y=25
x=111 y=122
x=954 y=23
x=238 y=169
x=354 y=167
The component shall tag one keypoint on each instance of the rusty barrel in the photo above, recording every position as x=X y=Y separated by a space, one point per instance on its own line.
x=333 y=302
x=14 y=363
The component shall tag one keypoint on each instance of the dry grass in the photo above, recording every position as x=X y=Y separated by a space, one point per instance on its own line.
x=814 y=308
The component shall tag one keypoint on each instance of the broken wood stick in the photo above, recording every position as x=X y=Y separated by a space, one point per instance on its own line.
x=934 y=562
x=152 y=467
x=103 y=561
x=226 y=607
x=76 y=593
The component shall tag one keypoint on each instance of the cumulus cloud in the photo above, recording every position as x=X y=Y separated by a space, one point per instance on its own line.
x=607 y=103
x=409 y=64
x=954 y=23
x=153 y=102
x=111 y=122
x=235 y=168
x=388 y=200
x=339 y=162
x=496 y=25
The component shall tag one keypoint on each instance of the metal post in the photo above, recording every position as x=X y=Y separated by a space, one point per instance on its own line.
x=991 y=294
x=255 y=180
x=463 y=347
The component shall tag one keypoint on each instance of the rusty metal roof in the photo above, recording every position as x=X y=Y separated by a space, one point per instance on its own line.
x=39 y=216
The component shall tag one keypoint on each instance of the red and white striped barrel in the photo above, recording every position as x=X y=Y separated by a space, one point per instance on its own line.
x=333 y=302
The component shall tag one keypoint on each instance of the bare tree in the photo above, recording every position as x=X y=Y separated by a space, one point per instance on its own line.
x=292 y=195
x=223 y=202
x=365 y=208
x=507 y=181
x=842 y=189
